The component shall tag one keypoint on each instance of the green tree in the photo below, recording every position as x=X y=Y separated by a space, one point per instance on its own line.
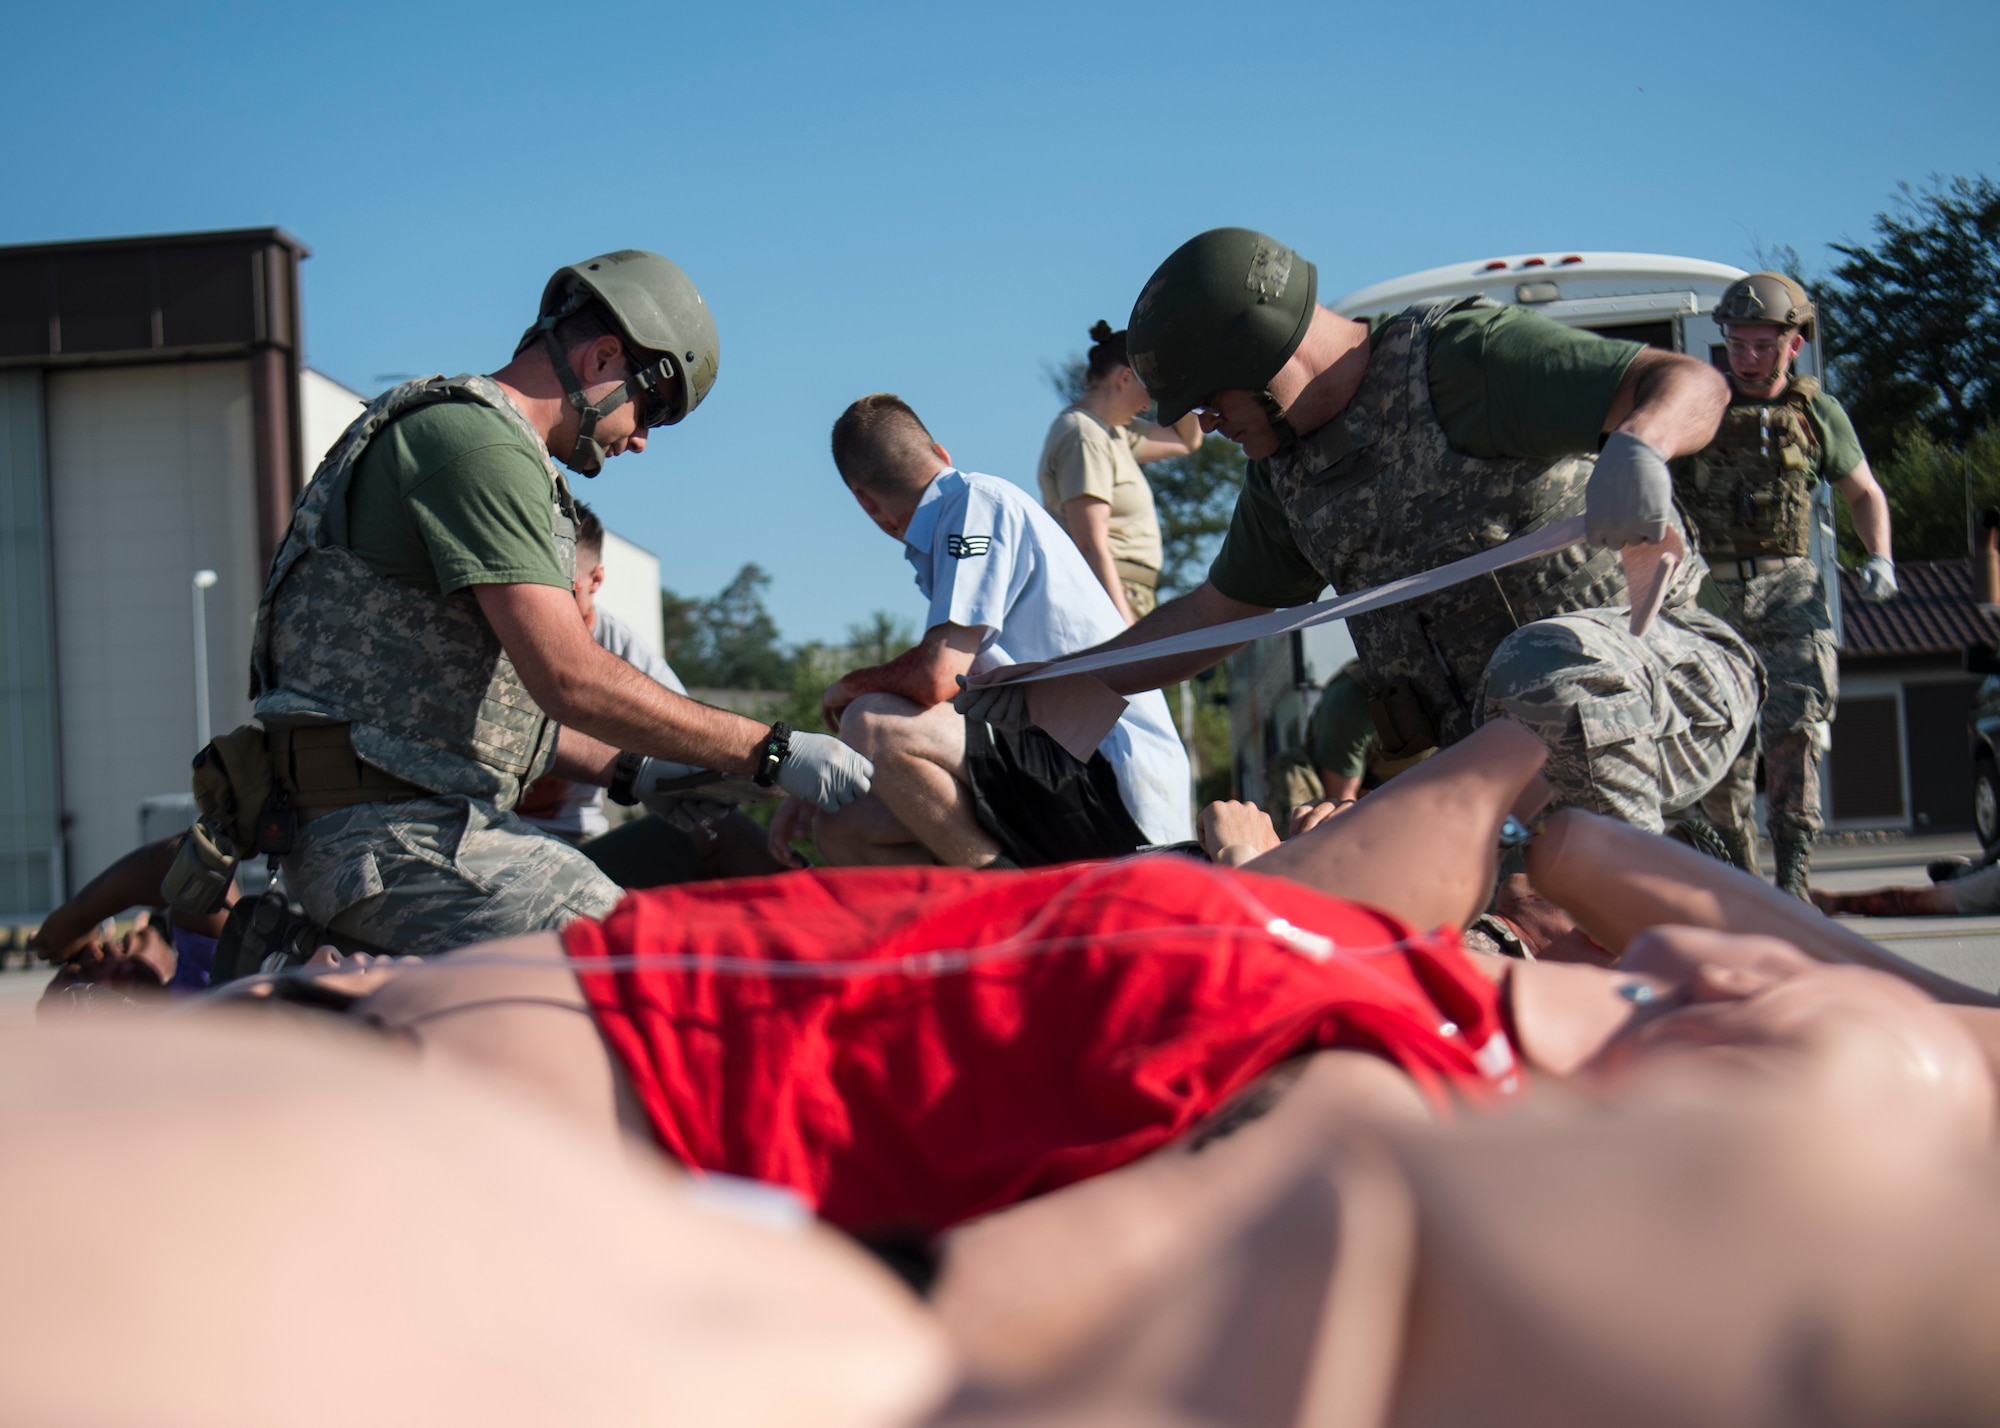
x=1194 y=494
x=1913 y=319
x=878 y=639
x=680 y=619
x=1930 y=487
x=728 y=641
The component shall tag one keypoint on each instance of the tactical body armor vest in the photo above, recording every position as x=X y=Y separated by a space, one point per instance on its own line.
x=420 y=679
x=1378 y=493
x=1750 y=492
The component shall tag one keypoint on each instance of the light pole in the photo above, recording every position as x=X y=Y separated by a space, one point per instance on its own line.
x=203 y=579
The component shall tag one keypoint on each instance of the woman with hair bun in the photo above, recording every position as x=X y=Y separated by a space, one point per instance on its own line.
x=1091 y=480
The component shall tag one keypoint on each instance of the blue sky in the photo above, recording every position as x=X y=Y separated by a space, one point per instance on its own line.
x=939 y=200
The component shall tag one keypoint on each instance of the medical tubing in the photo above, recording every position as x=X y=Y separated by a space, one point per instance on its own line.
x=1026 y=943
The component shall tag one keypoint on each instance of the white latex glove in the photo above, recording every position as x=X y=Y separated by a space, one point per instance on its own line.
x=1004 y=706
x=824 y=772
x=1631 y=494
x=1878 y=579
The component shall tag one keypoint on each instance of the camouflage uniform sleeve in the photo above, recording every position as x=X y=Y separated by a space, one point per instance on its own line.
x=1260 y=562
x=1510 y=382
x=1840 y=451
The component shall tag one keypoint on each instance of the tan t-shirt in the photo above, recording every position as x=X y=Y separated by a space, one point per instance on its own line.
x=1084 y=457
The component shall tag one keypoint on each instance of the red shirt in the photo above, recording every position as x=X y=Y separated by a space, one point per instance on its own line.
x=909 y=1047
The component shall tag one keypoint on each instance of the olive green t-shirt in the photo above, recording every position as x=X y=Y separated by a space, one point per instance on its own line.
x=1341 y=733
x=1839 y=448
x=451 y=495
x=1505 y=381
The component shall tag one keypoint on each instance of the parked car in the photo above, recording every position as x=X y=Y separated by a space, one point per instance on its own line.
x=1982 y=727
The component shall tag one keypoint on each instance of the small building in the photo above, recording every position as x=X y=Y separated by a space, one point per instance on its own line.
x=155 y=421
x=1900 y=758
x=151 y=426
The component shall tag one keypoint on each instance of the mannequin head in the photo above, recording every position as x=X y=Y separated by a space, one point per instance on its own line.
x=1686 y=1003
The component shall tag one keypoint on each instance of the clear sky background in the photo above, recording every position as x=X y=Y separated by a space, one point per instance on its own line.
x=938 y=200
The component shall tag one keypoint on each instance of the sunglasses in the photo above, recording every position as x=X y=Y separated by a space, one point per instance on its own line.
x=657 y=390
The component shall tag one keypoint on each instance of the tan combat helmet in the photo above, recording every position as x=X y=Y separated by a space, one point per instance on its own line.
x=1767 y=298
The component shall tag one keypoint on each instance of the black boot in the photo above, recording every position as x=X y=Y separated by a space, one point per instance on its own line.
x=1705 y=837
x=1794 y=863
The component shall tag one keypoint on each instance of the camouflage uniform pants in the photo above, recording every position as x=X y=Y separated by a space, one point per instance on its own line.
x=1784 y=617
x=1290 y=780
x=1143 y=599
x=437 y=873
x=1637 y=728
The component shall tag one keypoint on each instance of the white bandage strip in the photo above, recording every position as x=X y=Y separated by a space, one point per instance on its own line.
x=1299 y=617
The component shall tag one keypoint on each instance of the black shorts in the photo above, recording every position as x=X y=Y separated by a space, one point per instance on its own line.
x=1041 y=803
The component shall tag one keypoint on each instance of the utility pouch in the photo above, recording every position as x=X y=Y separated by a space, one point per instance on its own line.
x=198 y=881
x=233 y=781
x=1403 y=721
x=263 y=935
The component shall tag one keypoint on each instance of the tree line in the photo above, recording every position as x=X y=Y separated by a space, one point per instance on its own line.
x=1910 y=326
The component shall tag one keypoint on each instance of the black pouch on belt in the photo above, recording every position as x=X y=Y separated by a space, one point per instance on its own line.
x=233 y=782
x=1402 y=721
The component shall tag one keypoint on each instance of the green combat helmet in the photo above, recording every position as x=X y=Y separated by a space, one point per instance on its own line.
x=1224 y=312
x=667 y=329
x=1767 y=298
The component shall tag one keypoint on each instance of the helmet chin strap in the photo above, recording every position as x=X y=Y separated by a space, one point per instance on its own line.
x=586 y=457
x=1281 y=426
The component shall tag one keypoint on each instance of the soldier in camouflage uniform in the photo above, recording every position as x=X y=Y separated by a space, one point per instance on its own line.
x=1383 y=449
x=417 y=642
x=1749 y=495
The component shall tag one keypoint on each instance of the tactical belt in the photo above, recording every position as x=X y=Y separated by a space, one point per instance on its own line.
x=1737 y=571
x=1141 y=575
x=319 y=771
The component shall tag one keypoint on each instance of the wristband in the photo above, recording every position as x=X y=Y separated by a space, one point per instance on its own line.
x=771 y=753
x=624 y=779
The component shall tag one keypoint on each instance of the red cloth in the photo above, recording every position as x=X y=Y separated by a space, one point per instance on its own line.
x=1108 y=1008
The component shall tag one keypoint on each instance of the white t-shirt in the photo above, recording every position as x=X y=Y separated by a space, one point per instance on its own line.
x=987 y=557
x=581 y=812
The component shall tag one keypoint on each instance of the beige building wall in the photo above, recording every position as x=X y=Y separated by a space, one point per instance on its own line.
x=148 y=473
x=632 y=588
x=326 y=408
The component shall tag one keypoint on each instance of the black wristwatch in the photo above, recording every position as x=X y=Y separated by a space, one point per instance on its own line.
x=624 y=774
x=776 y=745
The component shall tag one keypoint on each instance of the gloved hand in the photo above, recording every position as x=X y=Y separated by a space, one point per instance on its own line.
x=1631 y=494
x=1004 y=706
x=1878 y=579
x=824 y=772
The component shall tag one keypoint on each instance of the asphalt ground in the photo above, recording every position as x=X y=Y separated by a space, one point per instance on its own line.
x=1964 y=948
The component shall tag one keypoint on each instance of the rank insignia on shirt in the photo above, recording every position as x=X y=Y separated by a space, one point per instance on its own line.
x=958 y=547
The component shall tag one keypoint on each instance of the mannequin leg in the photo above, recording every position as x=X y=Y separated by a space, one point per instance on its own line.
x=1424 y=846
x=1617 y=882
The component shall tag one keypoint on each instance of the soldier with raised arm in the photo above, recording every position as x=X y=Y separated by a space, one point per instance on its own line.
x=1387 y=447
